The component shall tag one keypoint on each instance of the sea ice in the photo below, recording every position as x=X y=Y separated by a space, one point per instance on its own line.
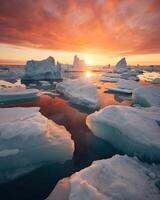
x=147 y=96
x=42 y=70
x=121 y=66
x=131 y=130
x=28 y=140
x=11 y=95
x=80 y=92
x=117 y=178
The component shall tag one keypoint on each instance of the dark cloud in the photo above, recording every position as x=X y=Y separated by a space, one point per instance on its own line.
x=126 y=26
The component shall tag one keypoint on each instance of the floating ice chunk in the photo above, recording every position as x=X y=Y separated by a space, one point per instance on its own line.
x=78 y=65
x=112 y=75
x=121 y=66
x=127 y=84
x=37 y=139
x=124 y=86
x=119 y=90
x=80 y=91
x=108 y=79
x=117 y=178
x=147 y=96
x=133 y=131
x=10 y=95
x=42 y=70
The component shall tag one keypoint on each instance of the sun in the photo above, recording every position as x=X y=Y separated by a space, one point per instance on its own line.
x=89 y=62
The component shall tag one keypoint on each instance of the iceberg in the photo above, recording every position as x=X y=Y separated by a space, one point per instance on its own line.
x=78 y=65
x=147 y=96
x=117 y=178
x=42 y=70
x=131 y=130
x=12 y=95
x=121 y=66
x=29 y=140
x=80 y=92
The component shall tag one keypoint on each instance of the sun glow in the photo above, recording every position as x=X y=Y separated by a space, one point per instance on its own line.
x=88 y=74
x=89 y=62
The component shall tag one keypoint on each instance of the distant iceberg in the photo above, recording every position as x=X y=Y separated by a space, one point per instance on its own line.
x=80 y=92
x=117 y=178
x=131 y=130
x=29 y=140
x=121 y=66
x=42 y=70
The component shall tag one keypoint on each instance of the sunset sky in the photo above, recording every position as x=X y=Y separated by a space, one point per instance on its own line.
x=101 y=31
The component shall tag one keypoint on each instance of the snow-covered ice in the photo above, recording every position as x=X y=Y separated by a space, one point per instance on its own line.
x=117 y=178
x=147 y=96
x=119 y=90
x=80 y=92
x=28 y=140
x=121 y=66
x=109 y=79
x=42 y=70
x=9 y=95
x=127 y=84
x=124 y=86
x=131 y=130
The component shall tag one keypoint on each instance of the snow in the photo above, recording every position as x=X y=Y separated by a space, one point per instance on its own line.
x=117 y=178
x=127 y=84
x=17 y=94
x=124 y=86
x=28 y=140
x=80 y=92
x=147 y=96
x=42 y=70
x=131 y=130
x=121 y=66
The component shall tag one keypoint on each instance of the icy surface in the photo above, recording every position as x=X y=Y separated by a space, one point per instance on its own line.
x=127 y=84
x=17 y=94
x=131 y=130
x=119 y=90
x=80 y=91
x=42 y=70
x=78 y=65
x=28 y=139
x=117 y=178
x=147 y=96
x=121 y=66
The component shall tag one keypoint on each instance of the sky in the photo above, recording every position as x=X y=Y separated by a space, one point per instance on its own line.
x=98 y=31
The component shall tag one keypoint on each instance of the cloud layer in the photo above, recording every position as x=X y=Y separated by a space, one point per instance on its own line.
x=110 y=26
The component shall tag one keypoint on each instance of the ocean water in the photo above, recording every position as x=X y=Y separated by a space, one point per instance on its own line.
x=39 y=183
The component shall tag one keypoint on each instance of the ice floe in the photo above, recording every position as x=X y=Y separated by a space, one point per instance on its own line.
x=28 y=140
x=42 y=70
x=121 y=66
x=80 y=92
x=124 y=86
x=131 y=130
x=11 y=95
x=117 y=178
x=147 y=96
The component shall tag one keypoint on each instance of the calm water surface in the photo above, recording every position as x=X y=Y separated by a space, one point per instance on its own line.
x=39 y=183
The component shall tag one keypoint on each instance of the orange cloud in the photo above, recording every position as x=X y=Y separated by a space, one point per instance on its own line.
x=110 y=26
